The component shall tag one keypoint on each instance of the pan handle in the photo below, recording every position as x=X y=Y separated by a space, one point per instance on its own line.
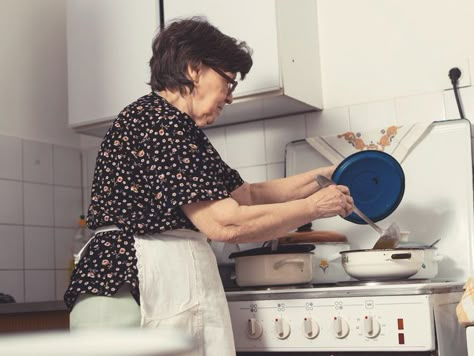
x=401 y=256
x=297 y=261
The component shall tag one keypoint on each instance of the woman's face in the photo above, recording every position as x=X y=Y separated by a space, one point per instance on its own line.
x=211 y=93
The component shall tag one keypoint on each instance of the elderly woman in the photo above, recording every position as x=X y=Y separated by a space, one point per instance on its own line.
x=160 y=190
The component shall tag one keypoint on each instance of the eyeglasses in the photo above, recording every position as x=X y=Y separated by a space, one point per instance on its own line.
x=231 y=83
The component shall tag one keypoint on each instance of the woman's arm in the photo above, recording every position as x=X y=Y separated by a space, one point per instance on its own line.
x=281 y=190
x=227 y=220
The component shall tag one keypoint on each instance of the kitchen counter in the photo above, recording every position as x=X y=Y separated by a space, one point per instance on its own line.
x=37 y=316
x=14 y=308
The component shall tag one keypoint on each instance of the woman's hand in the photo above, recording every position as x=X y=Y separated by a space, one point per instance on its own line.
x=331 y=201
x=326 y=171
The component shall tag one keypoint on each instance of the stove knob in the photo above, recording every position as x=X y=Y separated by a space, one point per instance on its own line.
x=282 y=328
x=310 y=328
x=371 y=327
x=340 y=327
x=254 y=328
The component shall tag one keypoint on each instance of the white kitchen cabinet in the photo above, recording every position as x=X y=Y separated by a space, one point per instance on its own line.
x=246 y=20
x=109 y=45
x=286 y=76
x=108 y=49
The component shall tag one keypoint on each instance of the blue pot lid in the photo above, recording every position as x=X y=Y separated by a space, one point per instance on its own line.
x=376 y=181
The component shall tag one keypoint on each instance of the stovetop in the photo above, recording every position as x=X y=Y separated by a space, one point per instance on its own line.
x=345 y=289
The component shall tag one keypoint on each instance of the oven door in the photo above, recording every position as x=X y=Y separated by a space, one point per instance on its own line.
x=470 y=340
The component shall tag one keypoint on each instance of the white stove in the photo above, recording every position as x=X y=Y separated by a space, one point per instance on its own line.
x=470 y=340
x=417 y=316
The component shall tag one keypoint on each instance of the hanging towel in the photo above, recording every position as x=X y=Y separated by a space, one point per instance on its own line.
x=396 y=140
x=465 y=308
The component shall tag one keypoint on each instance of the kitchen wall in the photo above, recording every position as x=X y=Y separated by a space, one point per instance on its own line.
x=41 y=190
x=40 y=156
x=375 y=50
x=256 y=149
x=33 y=89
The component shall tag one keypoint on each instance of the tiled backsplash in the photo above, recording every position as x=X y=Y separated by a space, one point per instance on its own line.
x=41 y=190
x=257 y=149
x=43 y=186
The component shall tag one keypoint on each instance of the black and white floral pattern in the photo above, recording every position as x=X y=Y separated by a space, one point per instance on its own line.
x=153 y=160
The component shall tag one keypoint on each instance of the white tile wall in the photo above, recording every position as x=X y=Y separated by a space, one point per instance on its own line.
x=12 y=247
x=12 y=282
x=251 y=146
x=11 y=204
x=327 y=122
x=245 y=144
x=67 y=166
x=275 y=171
x=63 y=247
x=88 y=166
x=40 y=285
x=420 y=108
x=254 y=174
x=37 y=162
x=38 y=204
x=41 y=200
x=372 y=115
x=67 y=206
x=39 y=247
x=278 y=132
x=10 y=158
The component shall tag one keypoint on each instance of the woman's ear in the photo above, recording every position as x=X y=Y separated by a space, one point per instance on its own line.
x=194 y=72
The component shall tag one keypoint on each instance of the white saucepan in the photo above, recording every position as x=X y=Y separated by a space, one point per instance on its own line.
x=289 y=264
x=429 y=268
x=327 y=266
x=389 y=264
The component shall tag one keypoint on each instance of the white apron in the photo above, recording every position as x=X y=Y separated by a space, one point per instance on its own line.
x=180 y=288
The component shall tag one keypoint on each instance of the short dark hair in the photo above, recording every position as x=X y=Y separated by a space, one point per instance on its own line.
x=193 y=41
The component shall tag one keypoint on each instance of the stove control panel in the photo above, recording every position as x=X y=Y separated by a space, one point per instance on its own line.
x=379 y=323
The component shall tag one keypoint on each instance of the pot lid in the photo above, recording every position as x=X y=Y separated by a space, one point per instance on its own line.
x=376 y=181
x=312 y=236
x=267 y=250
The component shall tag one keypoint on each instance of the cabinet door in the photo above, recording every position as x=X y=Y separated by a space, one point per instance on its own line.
x=109 y=46
x=252 y=21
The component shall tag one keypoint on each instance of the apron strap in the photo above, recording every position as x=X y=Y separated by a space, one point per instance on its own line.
x=77 y=256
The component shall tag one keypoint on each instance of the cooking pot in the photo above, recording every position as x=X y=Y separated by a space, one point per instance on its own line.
x=388 y=264
x=288 y=264
x=429 y=268
x=326 y=260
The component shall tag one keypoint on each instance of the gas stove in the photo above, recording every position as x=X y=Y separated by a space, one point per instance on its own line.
x=415 y=317
x=397 y=316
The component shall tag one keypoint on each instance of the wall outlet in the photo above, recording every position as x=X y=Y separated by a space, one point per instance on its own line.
x=464 y=80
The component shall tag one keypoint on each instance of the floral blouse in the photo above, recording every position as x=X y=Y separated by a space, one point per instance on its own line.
x=153 y=160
